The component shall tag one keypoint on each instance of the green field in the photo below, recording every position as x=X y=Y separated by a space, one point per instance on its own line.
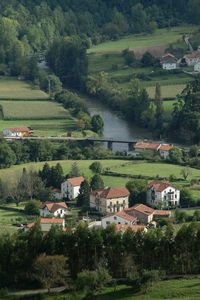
x=176 y=289
x=14 y=89
x=162 y=37
x=28 y=110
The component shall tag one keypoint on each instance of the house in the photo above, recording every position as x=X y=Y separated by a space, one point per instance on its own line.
x=146 y=214
x=164 y=150
x=197 y=67
x=46 y=224
x=70 y=188
x=192 y=58
x=119 y=218
x=162 y=193
x=57 y=209
x=169 y=62
x=142 y=212
x=156 y=148
x=109 y=200
x=17 y=132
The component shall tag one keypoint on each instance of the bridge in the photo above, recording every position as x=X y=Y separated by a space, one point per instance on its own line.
x=109 y=141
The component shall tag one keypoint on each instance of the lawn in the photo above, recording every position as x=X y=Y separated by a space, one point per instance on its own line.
x=12 y=88
x=177 y=289
x=7 y=218
x=162 y=37
x=28 y=110
x=154 y=169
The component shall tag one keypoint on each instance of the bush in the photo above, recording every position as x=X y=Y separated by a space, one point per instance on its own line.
x=32 y=207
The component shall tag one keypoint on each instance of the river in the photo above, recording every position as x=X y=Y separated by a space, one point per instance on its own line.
x=114 y=126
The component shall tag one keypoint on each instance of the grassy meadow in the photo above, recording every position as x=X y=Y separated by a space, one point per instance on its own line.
x=14 y=89
x=176 y=289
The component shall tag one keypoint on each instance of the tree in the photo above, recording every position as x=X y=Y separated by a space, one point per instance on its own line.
x=137 y=189
x=148 y=60
x=96 y=167
x=83 y=199
x=96 y=182
x=7 y=156
x=57 y=176
x=45 y=174
x=159 y=107
x=32 y=207
x=74 y=172
x=129 y=56
x=186 y=197
x=175 y=155
x=185 y=172
x=50 y=270
x=97 y=124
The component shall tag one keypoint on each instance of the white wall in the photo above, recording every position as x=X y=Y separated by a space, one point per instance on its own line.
x=108 y=205
x=167 y=66
x=61 y=212
x=164 y=197
x=197 y=67
x=69 y=190
x=114 y=220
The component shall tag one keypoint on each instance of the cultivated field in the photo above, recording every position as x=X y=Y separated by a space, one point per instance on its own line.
x=14 y=89
x=30 y=110
x=161 y=37
x=167 y=91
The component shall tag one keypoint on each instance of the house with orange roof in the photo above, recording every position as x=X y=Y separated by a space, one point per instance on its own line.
x=109 y=200
x=162 y=194
x=156 y=148
x=192 y=58
x=57 y=209
x=119 y=218
x=70 y=188
x=17 y=132
x=47 y=223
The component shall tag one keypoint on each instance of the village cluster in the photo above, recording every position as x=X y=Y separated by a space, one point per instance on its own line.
x=192 y=59
x=113 y=205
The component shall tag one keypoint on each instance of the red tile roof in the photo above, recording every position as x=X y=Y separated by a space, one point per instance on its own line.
x=147 y=146
x=76 y=181
x=168 y=58
x=125 y=216
x=111 y=193
x=53 y=206
x=162 y=213
x=51 y=221
x=19 y=129
x=194 y=54
x=135 y=228
x=140 y=208
x=159 y=186
x=166 y=147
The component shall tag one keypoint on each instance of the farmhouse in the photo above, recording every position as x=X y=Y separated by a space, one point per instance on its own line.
x=70 y=188
x=47 y=223
x=119 y=218
x=146 y=214
x=169 y=62
x=17 y=132
x=197 y=67
x=109 y=200
x=161 y=149
x=57 y=209
x=192 y=58
x=162 y=193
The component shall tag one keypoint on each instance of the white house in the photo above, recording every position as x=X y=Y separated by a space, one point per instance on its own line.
x=57 y=209
x=47 y=223
x=197 y=67
x=17 y=132
x=109 y=200
x=119 y=218
x=162 y=193
x=164 y=150
x=169 y=62
x=70 y=188
x=192 y=58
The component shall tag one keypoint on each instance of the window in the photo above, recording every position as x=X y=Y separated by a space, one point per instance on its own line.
x=119 y=223
x=115 y=218
x=107 y=222
x=175 y=196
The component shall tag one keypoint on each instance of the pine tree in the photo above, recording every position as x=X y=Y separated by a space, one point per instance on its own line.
x=74 y=172
x=96 y=182
x=83 y=199
x=159 y=106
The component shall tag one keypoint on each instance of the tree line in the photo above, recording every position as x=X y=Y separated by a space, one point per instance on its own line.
x=122 y=255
